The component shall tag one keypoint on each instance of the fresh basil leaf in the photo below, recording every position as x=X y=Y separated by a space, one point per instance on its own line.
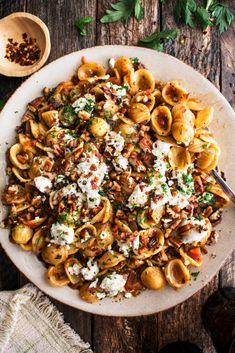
x=184 y=11
x=122 y=10
x=80 y=24
x=156 y=39
x=223 y=17
x=203 y=18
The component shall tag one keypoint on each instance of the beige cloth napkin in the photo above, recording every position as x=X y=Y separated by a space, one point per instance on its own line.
x=30 y=323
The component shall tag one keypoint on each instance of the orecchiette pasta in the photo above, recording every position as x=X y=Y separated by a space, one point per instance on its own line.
x=110 y=181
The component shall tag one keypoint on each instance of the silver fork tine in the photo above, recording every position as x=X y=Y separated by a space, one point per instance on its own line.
x=228 y=191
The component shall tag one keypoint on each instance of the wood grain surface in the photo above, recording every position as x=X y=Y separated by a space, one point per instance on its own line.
x=209 y=53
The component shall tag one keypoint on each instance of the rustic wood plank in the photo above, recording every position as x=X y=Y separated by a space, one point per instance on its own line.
x=9 y=275
x=227 y=273
x=201 y=51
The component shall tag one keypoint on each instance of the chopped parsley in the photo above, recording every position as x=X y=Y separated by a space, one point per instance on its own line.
x=135 y=60
x=69 y=115
x=206 y=198
x=164 y=188
x=103 y=191
x=107 y=115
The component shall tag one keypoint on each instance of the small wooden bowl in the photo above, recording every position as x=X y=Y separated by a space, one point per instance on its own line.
x=13 y=26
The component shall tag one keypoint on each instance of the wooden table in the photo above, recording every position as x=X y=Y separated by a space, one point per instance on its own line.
x=211 y=54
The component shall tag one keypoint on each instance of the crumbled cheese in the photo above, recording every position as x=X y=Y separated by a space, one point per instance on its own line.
x=112 y=63
x=43 y=184
x=92 y=173
x=124 y=248
x=74 y=270
x=86 y=103
x=94 y=283
x=100 y=295
x=61 y=234
x=139 y=196
x=179 y=200
x=136 y=242
x=160 y=149
x=196 y=234
x=161 y=196
x=128 y=295
x=120 y=163
x=114 y=143
x=119 y=91
x=91 y=271
x=113 y=284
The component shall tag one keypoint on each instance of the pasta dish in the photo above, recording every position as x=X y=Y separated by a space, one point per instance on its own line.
x=109 y=181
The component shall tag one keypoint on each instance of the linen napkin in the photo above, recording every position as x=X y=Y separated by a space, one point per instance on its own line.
x=30 y=323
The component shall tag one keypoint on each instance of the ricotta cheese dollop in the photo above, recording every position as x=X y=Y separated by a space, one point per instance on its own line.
x=61 y=234
x=43 y=184
x=113 y=284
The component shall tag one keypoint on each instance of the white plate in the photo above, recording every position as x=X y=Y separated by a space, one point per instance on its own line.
x=164 y=67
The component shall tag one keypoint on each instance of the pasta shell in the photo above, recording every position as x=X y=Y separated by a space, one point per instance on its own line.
x=54 y=254
x=146 y=99
x=143 y=80
x=105 y=214
x=123 y=65
x=173 y=93
x=179 y=157
x=177 y=274
x=16 y=172
x=84 y=234
x=21 y=234
x=161 y=120
x=144 y=220
x=38 y=241
x=208 y=159
x=157 y=213
x=56 y=276
x=27 y=143
x=50 y=117
x=27 y=247
x=189 y=259
x=151 y=243
x=34 y=127
x=69 y=263
x=194 y=104
x=14 y=151
x=222 y=199
x=139 y=113
x=204 y=117
x=36 y=222
x=88 y=294
x=123 y=227
x=110 y=259
x=90 y=70
x=153 y=278
x=127 y=130
x=183 y=124
x=99 y=127
x=104 y=236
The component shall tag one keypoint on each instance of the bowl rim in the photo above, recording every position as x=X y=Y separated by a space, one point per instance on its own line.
x=91 y=308
x=29 y=70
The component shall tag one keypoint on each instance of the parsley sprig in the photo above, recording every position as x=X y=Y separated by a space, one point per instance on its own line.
x=212 y=13
x=80 y=24
x=156 y=39
x=122 y=10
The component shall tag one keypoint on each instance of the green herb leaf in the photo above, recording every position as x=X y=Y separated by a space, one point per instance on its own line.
x=195 y=275
x=184 y=11
x=223 y=16
x=122 y=10
x=139 y=10
x=156 y=39
x=207 y=198
x=80 y=24
x=203 y=18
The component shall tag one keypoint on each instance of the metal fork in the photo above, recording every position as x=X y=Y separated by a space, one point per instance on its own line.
x=228 y=191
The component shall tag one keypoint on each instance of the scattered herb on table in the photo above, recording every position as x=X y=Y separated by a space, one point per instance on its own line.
x=195 y=275
x=80 y=24
x=156 y=39
x=210 y=14
x=122 y=10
